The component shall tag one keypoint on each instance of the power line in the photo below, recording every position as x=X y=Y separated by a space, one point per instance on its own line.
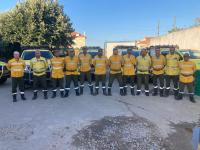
x=158 y=28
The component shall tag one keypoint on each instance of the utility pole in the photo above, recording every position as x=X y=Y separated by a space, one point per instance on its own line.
x=174 y=23
x=158 y=28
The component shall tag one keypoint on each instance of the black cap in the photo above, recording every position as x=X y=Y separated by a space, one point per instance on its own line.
x=84 y=48
x=114 y=49
x=186 y=55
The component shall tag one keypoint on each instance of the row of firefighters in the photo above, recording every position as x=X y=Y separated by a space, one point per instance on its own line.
x=123 y=68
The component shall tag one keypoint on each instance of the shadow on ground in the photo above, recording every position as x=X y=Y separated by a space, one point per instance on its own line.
x=131 y=133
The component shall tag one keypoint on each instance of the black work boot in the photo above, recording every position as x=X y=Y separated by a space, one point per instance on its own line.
x=81 y=90
x=192 y=98
x=109 y=92
x=61 y=94
x=23 y=97
x=96 y=91
x=122 y=92
x=147 y=93
x=125 y=91
x=132 y=92
x=66 y=93
x=45 y=95
x=179 y=96
x=138 y=93
x=53 y=94
x=161 y=92
x=34 y=96
x=14 y=97
x=77 y=92
x=91 y=90
x=176 y=92
x=104 y=92
x=155 y=92
x=166 y=92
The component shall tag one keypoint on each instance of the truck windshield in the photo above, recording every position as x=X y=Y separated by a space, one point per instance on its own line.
x=30 y=54
x=194 y=54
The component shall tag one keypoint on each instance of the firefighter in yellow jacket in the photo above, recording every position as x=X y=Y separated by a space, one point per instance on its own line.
x=57 y=73
x=39 y=66
x=172 y=71
x=129 y=71
x=158 y=65
x=85 y=62
x=186 y=78
x=100 y=63
x=143 y=68
x=17 y=66
x=115 y=64
x=71 y=67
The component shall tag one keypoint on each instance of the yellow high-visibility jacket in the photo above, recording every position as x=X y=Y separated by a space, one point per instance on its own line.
x=187 y=70
x=115 y=62
x=100 y=65
x=16 y=67
x=57 y=67
x=129 y=65
x=158 y=64
x=71 y=65
x=172 y=67
x=143 y=64
x=39 y=66
x=85 y=62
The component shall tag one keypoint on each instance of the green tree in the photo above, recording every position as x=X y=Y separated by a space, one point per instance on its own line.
x=175 y=30
x=197 y=21
x=36 y=23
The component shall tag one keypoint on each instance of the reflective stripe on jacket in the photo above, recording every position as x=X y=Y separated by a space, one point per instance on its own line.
x=57 y=66
x=158 y=64
x=187 y=70
x=129 y=65
x=143 y=64
x=100 y=65
x=115 y=63
x=71 y=65
x=39 y=66
x=16 y=67
x=172 y=62
x=85 y=62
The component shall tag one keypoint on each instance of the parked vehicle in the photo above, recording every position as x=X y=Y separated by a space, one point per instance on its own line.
x=123 y=50
x=194 y=56
x=4 y=72
x=163 y=48
x=27 y=55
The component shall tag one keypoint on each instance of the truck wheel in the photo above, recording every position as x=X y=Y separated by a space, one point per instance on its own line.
x=3 y=80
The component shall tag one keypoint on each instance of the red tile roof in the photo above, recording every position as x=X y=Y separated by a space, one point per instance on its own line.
x=76 y=34
x=146 y=40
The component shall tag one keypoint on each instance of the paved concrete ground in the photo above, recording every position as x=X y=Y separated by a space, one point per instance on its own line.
x=100 y=122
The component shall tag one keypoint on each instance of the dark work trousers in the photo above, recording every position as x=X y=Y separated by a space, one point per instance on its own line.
x=84 y=76
x=17 y=82
x=175 y=79
x=59 y=82
x=70 y=78
x=102 y=79
x=129 y=80
x=159 y=78
x=39 y=81
x=117 y=76
x=143 y=78
x=190 y=87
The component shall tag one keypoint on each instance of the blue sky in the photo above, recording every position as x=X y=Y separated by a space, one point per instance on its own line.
x=124 y=20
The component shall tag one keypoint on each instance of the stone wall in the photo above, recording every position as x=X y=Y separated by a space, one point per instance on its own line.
x=185 y=39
